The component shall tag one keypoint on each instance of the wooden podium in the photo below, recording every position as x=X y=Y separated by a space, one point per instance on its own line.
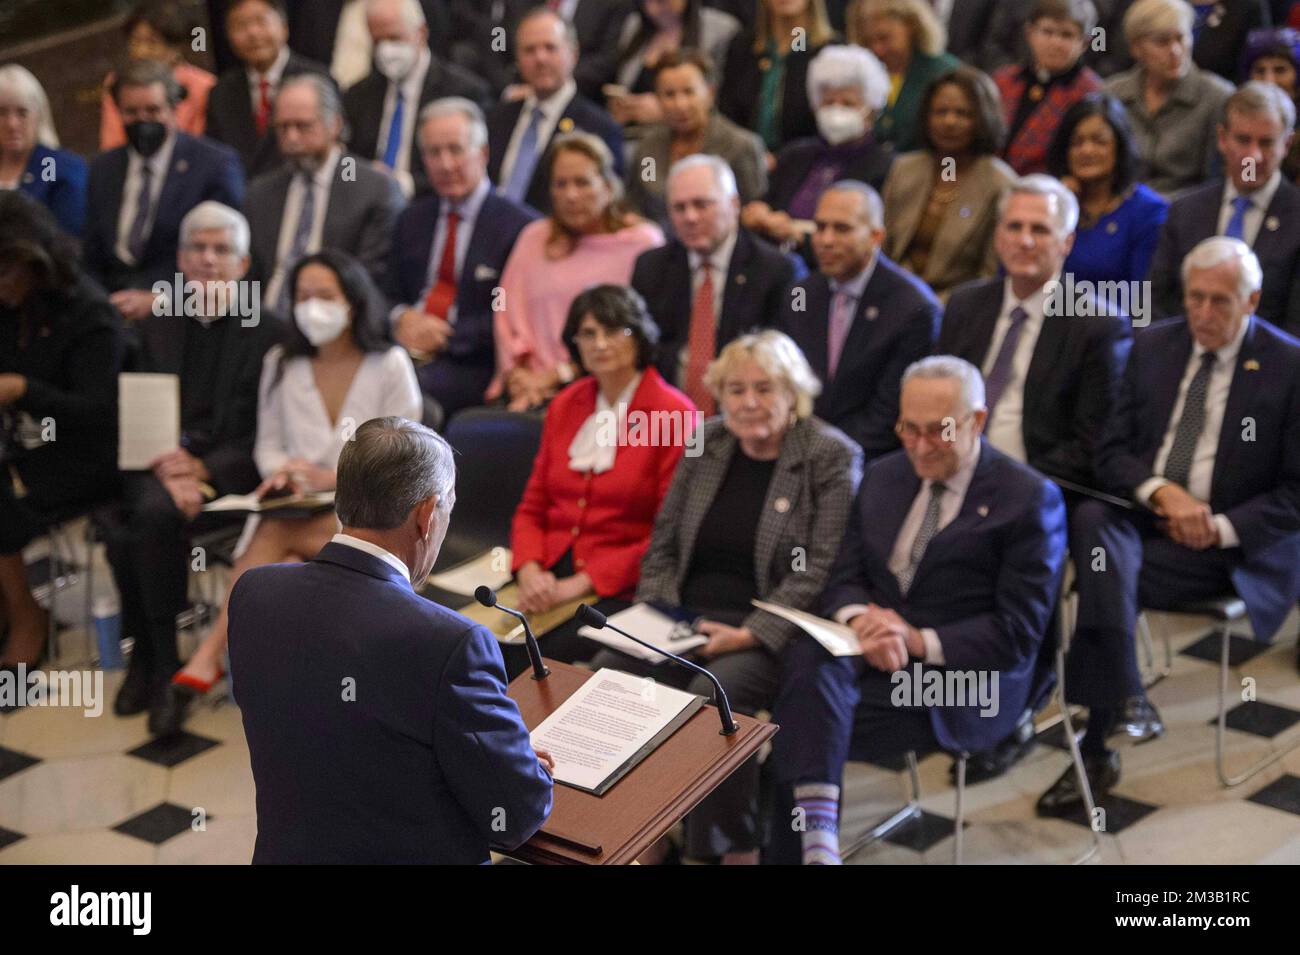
x=617 y=827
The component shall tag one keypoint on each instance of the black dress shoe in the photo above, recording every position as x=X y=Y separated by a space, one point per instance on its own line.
x=992 y=763
x=1065 y=798
x=170 y=707
x=1139 y=720
x=133 y=696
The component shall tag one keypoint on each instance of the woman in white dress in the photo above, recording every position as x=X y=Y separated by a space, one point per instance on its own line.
x=334 y=370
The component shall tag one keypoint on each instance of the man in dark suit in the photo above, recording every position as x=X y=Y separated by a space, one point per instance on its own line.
x=137 y=194
x=321 y=196
x=217 y=355
x=315 y=25
x=382 y=108
x=240 y=105
x=1051 y=368
x=445 y=270
x=1254 y=203
x=860 y=319
x=378 y=725
x=1205 y=441
x=949 y=569
x=700 y=309
x=520 y=132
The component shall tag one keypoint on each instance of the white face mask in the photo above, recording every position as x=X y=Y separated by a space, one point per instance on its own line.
x=321 y=320
x=841 y=124
x=395 y=59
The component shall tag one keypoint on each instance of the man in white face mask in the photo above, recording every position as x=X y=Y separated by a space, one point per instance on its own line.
x=405 y=77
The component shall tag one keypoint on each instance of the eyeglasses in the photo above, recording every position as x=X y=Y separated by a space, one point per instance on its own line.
x=588 y=336
x=945 y=430
x=199 y=248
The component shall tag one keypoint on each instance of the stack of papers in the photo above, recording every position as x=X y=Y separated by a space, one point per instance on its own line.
x=650 y=625
x=252 y=504
x=839 y=640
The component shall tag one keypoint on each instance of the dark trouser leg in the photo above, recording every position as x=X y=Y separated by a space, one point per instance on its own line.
x=454 y=385
x=1106 y=545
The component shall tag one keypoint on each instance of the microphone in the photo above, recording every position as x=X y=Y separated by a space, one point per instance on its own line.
x=488 y=598
x=592 y=617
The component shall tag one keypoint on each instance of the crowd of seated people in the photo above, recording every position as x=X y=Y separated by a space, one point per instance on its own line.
x=927 y=286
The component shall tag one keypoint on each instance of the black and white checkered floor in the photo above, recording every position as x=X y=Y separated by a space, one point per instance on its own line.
x=77 y=789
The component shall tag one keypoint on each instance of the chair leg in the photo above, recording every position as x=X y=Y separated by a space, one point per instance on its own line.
x=909 y=812
x=1221 y=725
x=1076 y=756
x=959 y=815
x=1148 y=648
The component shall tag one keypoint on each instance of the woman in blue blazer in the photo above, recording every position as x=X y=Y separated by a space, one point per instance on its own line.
x=54 y=177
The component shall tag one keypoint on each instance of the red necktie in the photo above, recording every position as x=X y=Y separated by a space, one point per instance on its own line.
x=701 y=343
x=263 y=105
x=443 y=293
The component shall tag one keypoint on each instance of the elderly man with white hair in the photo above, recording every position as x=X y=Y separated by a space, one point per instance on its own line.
x=847 y=88
x=714 y=280
x=383 y=107
x=214 y=343
x=1205 y=443
x=30 y=157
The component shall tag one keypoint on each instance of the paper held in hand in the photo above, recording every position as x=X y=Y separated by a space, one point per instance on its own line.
x=490 y=568
x=650 y=625
x=839 y=640
x=251 y=504
x=609 y=725
x=149 y=418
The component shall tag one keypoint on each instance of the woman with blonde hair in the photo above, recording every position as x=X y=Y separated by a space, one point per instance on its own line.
x=759 y=513
x=908 y=39
x=589 y=238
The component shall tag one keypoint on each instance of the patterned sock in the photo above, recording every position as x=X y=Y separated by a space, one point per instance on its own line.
x=820 y=805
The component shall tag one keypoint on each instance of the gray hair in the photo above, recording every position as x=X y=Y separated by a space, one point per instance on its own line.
x=1041 y=184
x=458 y=106
x=875 y=209
x=542 y=10
x=18 y=83
x=838 y=66
x=1156 y=16
x=723 y=174
x=412 y=12
x=211 y=214
x=328 y=103
x=1254 y=98
x=966 y=375
x=1219 y=249
x=390 y=466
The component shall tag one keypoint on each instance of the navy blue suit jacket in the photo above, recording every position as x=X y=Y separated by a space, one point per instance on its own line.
x=56 y=178
x=987 y=584
x=580 y=114
x=498 y=224
x=1256 y=477
x=1195 y=216
x=1071 y=383
x=897 y=322
x=200 y=169
x=378 y=724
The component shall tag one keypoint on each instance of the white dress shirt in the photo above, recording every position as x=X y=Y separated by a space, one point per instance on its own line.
x=374 y=550
x=273 y=77
x=412 y=86
x=900 y=557
x=719 y=267
x=291 y=418
x=158 y=163
x=1253 y=220
x=322 y=181
x=1201 y=475
x=1005 y=429
x=552 y=108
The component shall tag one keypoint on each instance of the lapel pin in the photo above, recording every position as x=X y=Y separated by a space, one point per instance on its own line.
x=983 y=510
x=964 y=212
x=182 y=165
x=484 y=272
x=782 y=505
x=1112 y=228
x=1251 y=365
x=1272 y=224
x=871 y=313
x=566 y=125
x=28 y=177
x=740 y=279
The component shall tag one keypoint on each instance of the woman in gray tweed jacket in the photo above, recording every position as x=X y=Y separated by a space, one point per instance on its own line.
x=758 y=513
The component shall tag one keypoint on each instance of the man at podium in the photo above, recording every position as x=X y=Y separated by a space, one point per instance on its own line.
x=378 y=724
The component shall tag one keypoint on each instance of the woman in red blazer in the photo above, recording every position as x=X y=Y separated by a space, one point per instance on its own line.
x=610 y=445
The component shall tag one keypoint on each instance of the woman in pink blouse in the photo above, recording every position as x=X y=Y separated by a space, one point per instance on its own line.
x=589 y=239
